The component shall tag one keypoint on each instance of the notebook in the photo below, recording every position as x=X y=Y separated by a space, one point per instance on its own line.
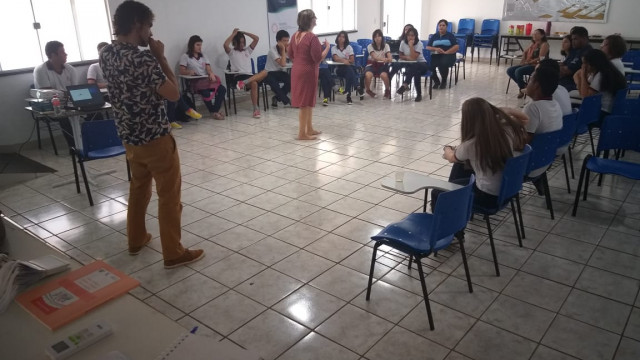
x=86 y=97
x=198 y=347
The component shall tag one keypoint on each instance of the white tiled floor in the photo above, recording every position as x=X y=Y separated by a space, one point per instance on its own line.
x=286 y=228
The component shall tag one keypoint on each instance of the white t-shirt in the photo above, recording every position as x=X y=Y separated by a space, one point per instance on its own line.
x=343 y=54
x=406 y=50
x=45 y=77
x=272 y=64
x=544 y=116
x=378 y=53
x=485 y=180
x=595 y=83
x=617 y=63
x=241 y=60
x=561 y=96
x=95 y=73
x=197 y=65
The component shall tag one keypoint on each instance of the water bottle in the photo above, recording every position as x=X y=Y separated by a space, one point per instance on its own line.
x=55 y=102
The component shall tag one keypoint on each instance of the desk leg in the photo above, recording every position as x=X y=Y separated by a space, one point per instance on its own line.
x=38 y=132
x=53 y=142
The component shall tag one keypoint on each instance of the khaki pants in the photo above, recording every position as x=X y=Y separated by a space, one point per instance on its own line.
x=158 y=160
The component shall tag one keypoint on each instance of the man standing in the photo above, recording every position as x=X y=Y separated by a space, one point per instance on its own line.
x=54 y=73
x=573 y=62
x=138 y=82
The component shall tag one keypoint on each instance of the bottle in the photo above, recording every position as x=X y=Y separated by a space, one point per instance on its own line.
x=547 y=30
x=55 y=102
x=510 y=31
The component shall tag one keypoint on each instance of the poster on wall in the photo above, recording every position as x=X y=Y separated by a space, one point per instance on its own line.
x=556 y=10
x=281 y=15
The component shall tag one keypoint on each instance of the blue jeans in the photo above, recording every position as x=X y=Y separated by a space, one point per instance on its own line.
x=326 y=81
x=273 y=79
x=349 y=74
x=518 y=72
x=217 y=100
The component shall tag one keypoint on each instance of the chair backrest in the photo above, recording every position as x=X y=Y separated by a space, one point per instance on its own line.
x=452 y=212
x=589 y=111
x=99 y=134
x=619 y=132
x=462 y=47
x=631 y=56
x=253 y=66
x=449 y=27
x=394 y=45
x=569 y=125
x=427 y=56
x=364 y=43
x=620 y=104
x=490 y=27
x=466 y=26
x=426 y=42
x=387 y=38
x=262 y=62
x=544 y=148
x=514 y=170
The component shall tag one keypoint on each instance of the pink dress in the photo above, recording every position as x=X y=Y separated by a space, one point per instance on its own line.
x=306 y=56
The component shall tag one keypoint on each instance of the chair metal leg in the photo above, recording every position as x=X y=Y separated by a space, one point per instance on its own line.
x=410 y=261
x=593 y=148
x=520 y=216
x=463 y=253
x=373 y=264
x=493 y=247
x=571 y=162
x=425 y=294
x=424 y=205
x=587 y=179
x=515 y=220
x=547 y=194
x=582 y=173
x=566 y=173
x=86 y=182
x=75 y=169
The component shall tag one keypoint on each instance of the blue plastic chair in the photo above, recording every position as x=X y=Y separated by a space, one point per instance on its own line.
x=616 y=133
x=588 y=114
x=544 y=146
x=364 y=43
x=569 y=124
x=466 y=29
x=462 y=50
x=488 y=38
x=512 y=175
x=100 y=141
x=427 y=56
x=420 y=234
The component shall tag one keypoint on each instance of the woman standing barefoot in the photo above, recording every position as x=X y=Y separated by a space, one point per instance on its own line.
x=306 y=53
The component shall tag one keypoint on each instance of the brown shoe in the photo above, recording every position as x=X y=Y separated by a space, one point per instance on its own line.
x=188 y=257
x=135 y=250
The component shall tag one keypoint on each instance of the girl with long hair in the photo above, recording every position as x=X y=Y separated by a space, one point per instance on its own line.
x=378 y=64
x=538 y=50
x=599 y=75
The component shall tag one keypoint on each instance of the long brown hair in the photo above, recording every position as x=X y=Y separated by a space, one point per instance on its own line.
x=492 y=130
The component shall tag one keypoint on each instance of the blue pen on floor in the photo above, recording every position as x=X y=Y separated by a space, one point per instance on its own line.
x=193 y=331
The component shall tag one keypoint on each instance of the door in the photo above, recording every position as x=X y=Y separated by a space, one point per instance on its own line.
x=398 y=13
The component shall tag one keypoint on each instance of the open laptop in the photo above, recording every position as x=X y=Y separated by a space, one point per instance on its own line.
x=86 y=97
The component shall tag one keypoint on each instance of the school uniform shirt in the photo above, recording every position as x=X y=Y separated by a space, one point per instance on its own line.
x=544 y=116
x=444 y=42
x=561 y=96
x=343 y=54
x=272 y=64
x=95 y=73
x=198 y=65
x=45 y=77
x=486 y=180
x=406 y=50
x=241 y=60
x=595 y=82
x=617 y=63
x=378 y=53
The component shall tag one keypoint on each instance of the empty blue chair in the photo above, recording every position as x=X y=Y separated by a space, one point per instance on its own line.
x=616 y=133
x=420 y=234
x=100 y=141
x=544 y=146
x=487 y=38
x=512 y=175
x=588 y=114
x=466 y=29
x=569 y=124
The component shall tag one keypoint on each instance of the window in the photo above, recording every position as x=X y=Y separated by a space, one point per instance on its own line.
x=399 y=13
x=79 y=24
x=333 y=15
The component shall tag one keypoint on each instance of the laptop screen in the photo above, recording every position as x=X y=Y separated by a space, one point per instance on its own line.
x=85 y=96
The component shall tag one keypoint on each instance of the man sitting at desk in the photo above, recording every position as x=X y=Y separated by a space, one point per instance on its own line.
x=55 y=73
x=94 y=74
x=276 y=74
x=573 y=61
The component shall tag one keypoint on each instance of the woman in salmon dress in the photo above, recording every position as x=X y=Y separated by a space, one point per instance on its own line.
x=306 y=53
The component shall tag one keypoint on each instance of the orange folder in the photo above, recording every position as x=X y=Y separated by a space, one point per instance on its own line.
x=69 y=297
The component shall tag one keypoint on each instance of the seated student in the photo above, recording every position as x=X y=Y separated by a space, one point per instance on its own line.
x=538 y=50
x=615 y=47
x=395 y=67
x=180 y=106
x=412 y=50
x=561 y=95
x=194 y=62
x=543 y=112
x=599 y=75
x=55 y=73
x=326 y=82
x=276 y=74
x=573 y=61
x=489 y=137
x=343 y=53
x=94 y=74
x=443 y=46
x=565 y=47
x=240 y=59
x=378 y=64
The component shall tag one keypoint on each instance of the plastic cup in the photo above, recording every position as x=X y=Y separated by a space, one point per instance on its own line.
x=399 y=176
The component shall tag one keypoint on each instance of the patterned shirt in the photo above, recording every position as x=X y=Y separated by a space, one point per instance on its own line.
x=133 y=76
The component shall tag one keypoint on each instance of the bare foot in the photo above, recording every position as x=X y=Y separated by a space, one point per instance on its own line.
x=315 y=132
x=306 y=137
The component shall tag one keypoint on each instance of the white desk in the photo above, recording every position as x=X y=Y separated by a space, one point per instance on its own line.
x=631 y=71
x=139 y=331
x=412 y=183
